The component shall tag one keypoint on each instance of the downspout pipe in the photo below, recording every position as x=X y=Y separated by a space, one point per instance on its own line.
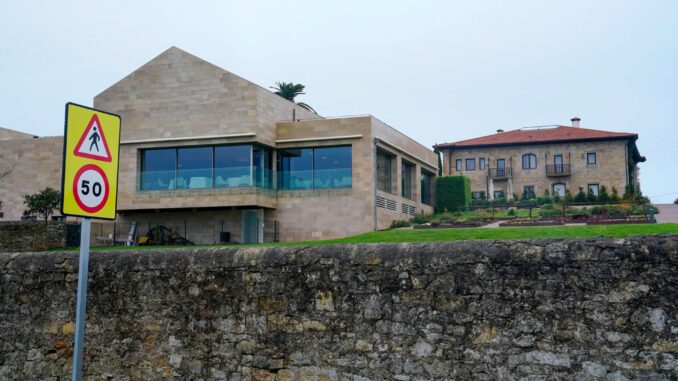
x=376 y=179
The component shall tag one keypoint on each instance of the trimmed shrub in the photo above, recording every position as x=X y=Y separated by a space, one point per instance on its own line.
x=568 y=196
x=548 y=207
x=399 y=224
x=615 y=195
x=452 y=192
x=420 y=219
x=581 y=196
x=549 y=212
x=603 y=196
x=511 y=212
x=498 y=201
x=541 y=200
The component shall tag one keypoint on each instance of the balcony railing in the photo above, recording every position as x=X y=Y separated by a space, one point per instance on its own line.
x=557 y=169
x=500 y=173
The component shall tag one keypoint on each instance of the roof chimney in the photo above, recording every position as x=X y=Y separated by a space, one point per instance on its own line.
x=575 y=122
x=499 y=131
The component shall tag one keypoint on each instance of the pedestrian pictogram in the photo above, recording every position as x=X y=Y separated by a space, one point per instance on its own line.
x=92 y=143
x=90 y=172
x=90 y=188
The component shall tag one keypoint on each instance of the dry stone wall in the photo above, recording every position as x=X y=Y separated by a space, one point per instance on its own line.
x=593 y=309
x=32 y=235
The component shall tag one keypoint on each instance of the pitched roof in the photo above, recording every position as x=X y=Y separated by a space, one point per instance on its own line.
x=540 y=135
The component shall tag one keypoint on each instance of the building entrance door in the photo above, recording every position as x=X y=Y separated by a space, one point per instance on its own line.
x=250 y=226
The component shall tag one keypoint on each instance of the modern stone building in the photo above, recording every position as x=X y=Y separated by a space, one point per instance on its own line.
x=204 y=148
x=535 y=159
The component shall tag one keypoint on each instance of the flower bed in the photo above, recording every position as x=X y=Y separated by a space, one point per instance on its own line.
x=614 y=220
x=534 y=221
x=453 y=224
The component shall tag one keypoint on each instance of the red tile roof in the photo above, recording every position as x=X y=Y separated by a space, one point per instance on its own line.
x=539 y=135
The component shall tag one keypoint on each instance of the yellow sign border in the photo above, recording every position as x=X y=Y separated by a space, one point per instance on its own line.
x=67 y=207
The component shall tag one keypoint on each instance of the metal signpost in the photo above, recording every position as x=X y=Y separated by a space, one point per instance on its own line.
x=89 y=186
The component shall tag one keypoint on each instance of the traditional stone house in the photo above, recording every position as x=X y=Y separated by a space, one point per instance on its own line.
x=533 y=160
x=203 y=147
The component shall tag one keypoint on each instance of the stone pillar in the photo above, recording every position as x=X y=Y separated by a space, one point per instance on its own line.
x=509 y=196
x=490 y=196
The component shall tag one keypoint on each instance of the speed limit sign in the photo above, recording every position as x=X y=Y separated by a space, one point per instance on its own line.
x=90 y=172
x=90 y=188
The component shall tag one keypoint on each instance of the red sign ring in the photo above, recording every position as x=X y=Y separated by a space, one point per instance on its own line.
x=75 y=188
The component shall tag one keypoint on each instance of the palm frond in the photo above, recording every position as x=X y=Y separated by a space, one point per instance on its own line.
x=307 y=107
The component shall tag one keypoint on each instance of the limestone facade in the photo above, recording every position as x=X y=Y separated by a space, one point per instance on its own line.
x=177 y=101
x=610 y=168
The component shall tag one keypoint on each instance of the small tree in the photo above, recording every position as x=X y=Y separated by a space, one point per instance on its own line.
x=581 y=196
x=556 y=198
x=568 y=196
x=628 y=193
x=603 y=196
x=42 y=203
x=615 y=194
x=546 y=192
x=590 y=196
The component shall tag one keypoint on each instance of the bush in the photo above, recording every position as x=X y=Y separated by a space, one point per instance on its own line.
x=597 y=210
x=399 y=224
x=615 y=195
x=498 y=201
x=628 y=193
x=515 y=197
x=480 y=202
x=420 y=219
x=556 y=198
x=549 y=212
x=452 y=192
x=541 y=200
x=529 y=202
x=581 y=196
x=548 y=207
x=591 y=197
x=568 y=196
x=511 y=212
x=603 y=196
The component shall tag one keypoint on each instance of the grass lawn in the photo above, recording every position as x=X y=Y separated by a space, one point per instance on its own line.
x=419 y=235
x=422 y=235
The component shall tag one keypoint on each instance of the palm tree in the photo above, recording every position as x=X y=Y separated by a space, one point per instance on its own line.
x=289 y=91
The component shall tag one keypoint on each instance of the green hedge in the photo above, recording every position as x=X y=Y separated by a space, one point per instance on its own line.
x=451 y=192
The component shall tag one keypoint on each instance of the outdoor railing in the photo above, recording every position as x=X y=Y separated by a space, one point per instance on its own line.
x=557 y=169
x=499 y=172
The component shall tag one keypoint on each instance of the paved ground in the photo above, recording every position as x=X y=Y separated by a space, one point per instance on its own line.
x=667 y=213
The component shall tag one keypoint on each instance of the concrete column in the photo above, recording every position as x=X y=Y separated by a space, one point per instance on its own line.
x=509 y=196
x=491 y=190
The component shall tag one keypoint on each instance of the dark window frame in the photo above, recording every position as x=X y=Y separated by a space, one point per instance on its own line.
x=459 y=165
x=427 y=187
x=481 y=163
x=553 y=188
x=597 y=188
x=531 y=189
x=531 y=160
x=588 y=157
x=412 y=170
x=313 y=180
x=473 y=162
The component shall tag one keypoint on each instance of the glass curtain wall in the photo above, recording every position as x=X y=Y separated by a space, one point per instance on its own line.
x=205 y=167
x=309 y=168
x=232 y=166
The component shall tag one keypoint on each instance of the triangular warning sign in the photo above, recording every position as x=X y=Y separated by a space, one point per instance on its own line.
x=92 y=144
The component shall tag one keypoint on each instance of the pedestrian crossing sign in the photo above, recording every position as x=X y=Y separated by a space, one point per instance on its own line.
x=89 y=179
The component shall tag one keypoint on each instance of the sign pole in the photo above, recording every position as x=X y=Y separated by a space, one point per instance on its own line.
x=82 y=299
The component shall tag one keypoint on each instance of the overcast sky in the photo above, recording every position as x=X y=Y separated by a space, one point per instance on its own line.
x=439 y=72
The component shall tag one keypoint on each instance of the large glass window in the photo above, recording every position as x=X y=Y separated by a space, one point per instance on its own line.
x=384 y=172
x=458 y=165
x=295 y=168
x=470 y=164
x=559 y=189
x=529 y=161
x=262 y=167
x=232 y=166
x=407 y=173
x=307 y=168
x=332 y=167
x=528 y=192
x=481 y=163
x=158 y=169
x=194 y=167
x=593 y=188
x=205 y=167
x=426 y=187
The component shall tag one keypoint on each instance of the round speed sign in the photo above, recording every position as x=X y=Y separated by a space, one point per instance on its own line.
x=90 y=188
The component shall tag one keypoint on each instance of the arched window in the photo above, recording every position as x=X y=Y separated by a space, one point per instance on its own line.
x=529 y=161
x=559 y=189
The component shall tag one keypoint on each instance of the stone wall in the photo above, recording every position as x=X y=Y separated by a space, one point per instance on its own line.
x=31 y=236
x=478 y=310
